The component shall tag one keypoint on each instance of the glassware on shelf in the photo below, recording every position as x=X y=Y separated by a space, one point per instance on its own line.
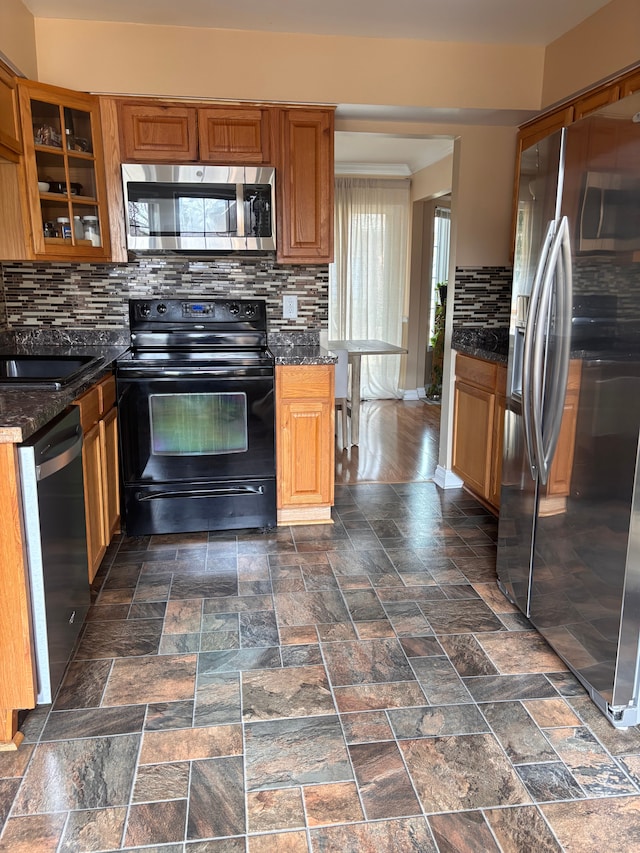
x=47 y=135
x=64 y=227
x=78 y=229
x=92 y=230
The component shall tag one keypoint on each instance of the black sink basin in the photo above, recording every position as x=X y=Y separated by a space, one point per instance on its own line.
x=44 y=371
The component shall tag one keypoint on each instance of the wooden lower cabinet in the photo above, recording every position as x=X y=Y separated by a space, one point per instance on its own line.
x=495 y=476
x=479 y=400
x=479 y=405
x=304 y=443
x=100 y=465
x=17 y=670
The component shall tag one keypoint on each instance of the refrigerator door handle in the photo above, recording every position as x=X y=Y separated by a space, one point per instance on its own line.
x=554 y=280
x=564 y=280
x=528 y=410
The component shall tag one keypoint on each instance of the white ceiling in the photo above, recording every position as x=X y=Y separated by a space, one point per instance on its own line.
x=527 y=22
x=386 y=154
x=533 y=22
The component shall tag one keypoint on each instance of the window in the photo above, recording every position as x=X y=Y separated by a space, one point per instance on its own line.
x=368 y=281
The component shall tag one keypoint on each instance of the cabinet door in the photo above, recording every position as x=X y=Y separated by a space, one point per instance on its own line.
x=94 y=499
x=305 y=428
x=234 y=135
x=110 y=482
x=305 y=444
x=472 y=436
x=17 y=671
x=496 y=451
x=10 y=145
x=305 y=187
x=154 y=133
x=64 y=173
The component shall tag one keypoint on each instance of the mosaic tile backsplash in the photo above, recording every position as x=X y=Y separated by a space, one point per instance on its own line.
x=483 y=297
x=483 y=294
x=95 y=296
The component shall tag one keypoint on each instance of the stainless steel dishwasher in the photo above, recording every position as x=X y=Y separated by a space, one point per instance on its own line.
x=55 y=533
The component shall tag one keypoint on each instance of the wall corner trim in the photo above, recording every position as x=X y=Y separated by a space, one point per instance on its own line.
x=446 y=479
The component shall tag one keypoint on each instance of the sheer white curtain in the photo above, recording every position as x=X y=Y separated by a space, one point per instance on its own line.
x=368 y=281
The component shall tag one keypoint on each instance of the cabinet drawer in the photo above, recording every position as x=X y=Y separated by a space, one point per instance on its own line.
x=95 y=402
x=107 y=391
x=309 y=381
x=89 y=405
x=476 y=371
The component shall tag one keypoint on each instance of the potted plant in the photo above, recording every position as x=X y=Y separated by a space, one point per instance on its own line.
x=434 y=390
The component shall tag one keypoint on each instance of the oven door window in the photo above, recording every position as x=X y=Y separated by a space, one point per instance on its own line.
x=198 y=424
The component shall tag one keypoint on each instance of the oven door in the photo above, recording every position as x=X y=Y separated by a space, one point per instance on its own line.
x=194 y=428
x=197 y=451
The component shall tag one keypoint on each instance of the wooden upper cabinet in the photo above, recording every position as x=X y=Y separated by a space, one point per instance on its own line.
x=545 y=126
x=590 y=103
x=63 y=174
x=234 y=135
x=10 y=145
x=630 y=84
x=304 y=186
x=157 y=133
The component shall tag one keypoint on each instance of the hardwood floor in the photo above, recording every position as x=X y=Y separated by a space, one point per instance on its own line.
x=398 y=444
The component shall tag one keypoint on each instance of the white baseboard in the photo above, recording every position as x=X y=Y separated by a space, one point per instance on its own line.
x=413 y=394
x=446 y=479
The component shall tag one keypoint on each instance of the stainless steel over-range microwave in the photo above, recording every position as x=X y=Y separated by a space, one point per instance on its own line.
x=198 y=208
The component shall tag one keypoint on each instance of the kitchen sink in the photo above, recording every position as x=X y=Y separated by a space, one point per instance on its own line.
x=44 y=371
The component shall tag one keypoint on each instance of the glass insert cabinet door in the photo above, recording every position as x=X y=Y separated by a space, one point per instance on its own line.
x=65 y=172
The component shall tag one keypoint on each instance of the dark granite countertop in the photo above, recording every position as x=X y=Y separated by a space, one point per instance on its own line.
x=297 y=347
x=488 y=343
x=309 y=354
x=23 y=411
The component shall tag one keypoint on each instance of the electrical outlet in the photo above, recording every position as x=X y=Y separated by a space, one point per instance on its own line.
x=290 y=307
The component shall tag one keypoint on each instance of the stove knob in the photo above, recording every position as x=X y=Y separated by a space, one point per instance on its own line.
x=162 y=308
x=234 y=308
x=145 y=310
x=250 y=310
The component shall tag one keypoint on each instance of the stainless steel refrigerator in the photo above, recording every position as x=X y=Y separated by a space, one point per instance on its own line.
x=569 y=529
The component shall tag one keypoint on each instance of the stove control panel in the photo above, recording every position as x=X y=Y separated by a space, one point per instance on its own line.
x=210 y=312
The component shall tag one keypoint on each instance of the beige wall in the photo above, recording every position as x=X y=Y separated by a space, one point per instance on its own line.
x=17 y=37
x=434 y=180
x=199 y=62
x=483 y=190
x=604 y=44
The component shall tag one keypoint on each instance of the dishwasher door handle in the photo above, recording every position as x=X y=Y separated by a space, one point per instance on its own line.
x=63 y=458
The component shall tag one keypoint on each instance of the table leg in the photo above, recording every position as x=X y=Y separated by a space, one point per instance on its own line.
x=354 y=358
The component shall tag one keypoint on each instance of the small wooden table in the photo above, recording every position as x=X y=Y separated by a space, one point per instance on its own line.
x=356 y=350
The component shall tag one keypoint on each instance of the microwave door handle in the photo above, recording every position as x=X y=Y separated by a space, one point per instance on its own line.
x=600 y=215
x=240 y=223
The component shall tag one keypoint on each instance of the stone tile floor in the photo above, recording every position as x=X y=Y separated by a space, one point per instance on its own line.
x=361 y=686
